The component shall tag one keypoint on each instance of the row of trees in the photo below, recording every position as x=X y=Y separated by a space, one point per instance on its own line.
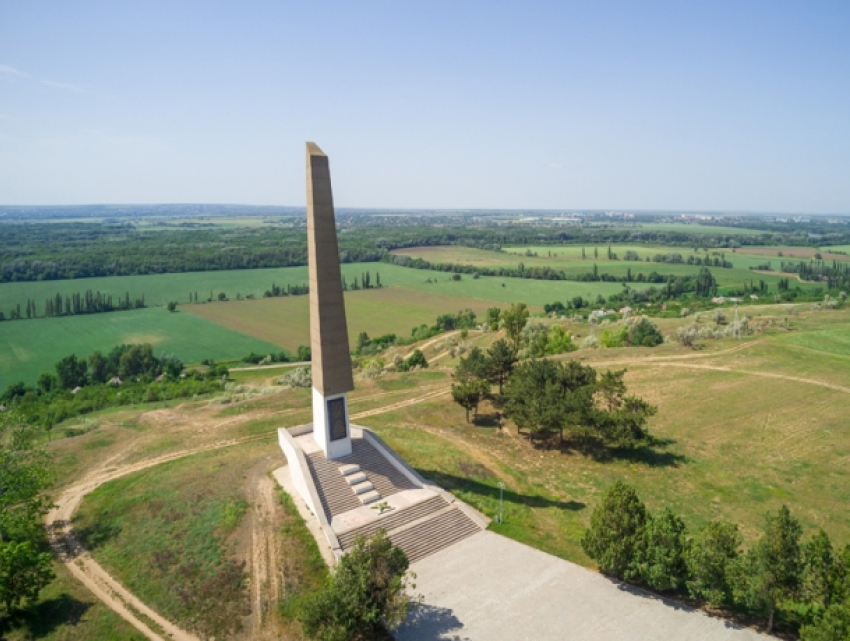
x=835 y=273
x=364 y=282
x=809 y=582
x=289 y=290
x=71 y=305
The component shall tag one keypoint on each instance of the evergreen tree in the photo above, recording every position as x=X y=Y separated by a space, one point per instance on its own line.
x=662 y=559
x=617 y=532
x=712 y=552
x=770 y=570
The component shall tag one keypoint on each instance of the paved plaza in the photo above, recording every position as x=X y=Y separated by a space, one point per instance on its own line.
x=490 y=588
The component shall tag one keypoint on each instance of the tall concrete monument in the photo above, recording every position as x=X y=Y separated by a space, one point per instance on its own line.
x=328 y=329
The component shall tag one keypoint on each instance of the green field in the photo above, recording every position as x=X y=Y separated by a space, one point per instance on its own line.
x=159 y=289
x=28 y=348
x=841 y=248
x=568 y=258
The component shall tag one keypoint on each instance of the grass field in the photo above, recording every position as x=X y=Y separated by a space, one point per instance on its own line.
x=28 y=348
x=168 y=533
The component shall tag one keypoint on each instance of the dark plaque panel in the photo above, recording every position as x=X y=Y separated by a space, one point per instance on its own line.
x=336 y=418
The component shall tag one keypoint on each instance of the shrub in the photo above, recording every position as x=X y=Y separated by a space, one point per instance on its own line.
x=300 y=377
x=645 y=333
x=590 y=342
x=367 y=592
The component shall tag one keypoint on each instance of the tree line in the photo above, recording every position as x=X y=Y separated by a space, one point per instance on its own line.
x=125 y=375
x=74 y=304
x=835 y=273
x=30 y=252
x=806 y=583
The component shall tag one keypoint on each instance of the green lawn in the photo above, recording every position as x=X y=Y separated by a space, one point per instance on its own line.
x=29 y=347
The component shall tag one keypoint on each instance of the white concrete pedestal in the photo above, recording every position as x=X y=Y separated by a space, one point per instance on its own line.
x=328 y=412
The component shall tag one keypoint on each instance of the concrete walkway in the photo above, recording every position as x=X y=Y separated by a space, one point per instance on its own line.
x=488 y=587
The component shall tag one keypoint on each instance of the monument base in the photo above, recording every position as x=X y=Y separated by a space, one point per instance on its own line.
x=330 y=424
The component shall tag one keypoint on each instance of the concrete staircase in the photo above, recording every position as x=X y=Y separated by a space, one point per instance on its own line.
x=357 y=481
x=419 y=530
x=334 y=490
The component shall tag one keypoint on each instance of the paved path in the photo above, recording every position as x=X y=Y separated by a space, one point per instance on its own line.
x=488 y=587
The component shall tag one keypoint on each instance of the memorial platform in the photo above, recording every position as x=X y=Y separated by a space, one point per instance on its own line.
x=373 y=488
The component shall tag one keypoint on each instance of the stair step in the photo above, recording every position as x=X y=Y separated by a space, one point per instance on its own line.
x=354 y=479
x=349 y=468
x=362 y=488
x=369 y=497
x=393 y=520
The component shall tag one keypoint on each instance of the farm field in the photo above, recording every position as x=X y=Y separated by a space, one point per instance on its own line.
x=568 y=258
x=30 y=347
x=285 y=321
x=159 y=289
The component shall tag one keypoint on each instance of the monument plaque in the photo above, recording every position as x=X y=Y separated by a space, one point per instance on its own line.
x=336 y=419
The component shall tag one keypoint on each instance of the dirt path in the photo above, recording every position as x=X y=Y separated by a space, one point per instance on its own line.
x=401 y=404
x=784 y=377
x=263 y=552
x=271 y=366
x=433 y=341
x=266 y=581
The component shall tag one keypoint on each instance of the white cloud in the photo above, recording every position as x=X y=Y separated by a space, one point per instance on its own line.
x=12 y=71
x=63 y=85
x=557 y=165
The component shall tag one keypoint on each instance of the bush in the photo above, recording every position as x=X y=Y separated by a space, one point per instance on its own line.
x=367 y=592
x=300 y=377
x=645 y=333
x=590 y=342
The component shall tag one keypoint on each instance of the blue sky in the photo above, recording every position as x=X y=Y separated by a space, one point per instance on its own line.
x=739 y=106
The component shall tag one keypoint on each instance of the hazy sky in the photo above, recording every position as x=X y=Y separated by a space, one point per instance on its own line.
x=634 y=105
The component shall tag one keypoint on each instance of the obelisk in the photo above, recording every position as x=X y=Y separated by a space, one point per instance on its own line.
x=328 y=330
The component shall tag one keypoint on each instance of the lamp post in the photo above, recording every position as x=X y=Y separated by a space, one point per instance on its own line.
x=501 y=492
